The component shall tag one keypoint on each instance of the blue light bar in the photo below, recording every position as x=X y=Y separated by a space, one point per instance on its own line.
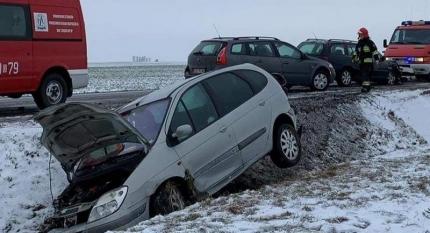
x=413 y=23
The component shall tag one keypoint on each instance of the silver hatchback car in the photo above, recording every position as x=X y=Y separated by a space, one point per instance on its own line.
x=167 y=149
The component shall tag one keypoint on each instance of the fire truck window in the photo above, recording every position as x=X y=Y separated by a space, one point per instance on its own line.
x=13 y=22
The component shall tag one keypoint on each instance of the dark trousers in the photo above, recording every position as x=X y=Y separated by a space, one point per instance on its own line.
x=366 y=70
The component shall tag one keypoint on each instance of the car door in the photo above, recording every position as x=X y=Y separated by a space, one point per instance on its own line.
x=339 y=57
x=296 y=70
x=241 y=97
x=210 y=154
x=16 y=47
x=263 y=55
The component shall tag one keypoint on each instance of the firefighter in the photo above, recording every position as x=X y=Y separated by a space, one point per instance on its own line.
x=365 y=55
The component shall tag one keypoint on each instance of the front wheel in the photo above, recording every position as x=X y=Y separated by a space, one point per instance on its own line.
x=167 y=199
x=320 y=81
x=52 y=91
x=345 y=78
x=391 y=79
x=286 y=147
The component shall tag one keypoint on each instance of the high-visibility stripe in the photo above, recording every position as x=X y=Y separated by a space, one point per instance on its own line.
x=366 y=49
x=368 y=60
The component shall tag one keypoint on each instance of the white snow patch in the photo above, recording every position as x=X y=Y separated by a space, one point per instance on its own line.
x=25 y=198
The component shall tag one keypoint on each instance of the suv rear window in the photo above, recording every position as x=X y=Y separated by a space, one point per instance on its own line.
x=208 y=48
x=311 y=48
x=14 y=22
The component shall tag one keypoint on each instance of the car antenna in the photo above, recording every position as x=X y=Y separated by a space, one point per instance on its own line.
x=314 y=35
x=217 y=32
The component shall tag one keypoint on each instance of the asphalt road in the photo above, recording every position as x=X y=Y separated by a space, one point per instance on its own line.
x=15 y=109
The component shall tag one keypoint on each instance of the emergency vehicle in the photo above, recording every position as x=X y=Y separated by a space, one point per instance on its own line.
x=410 y=48
x=43 y=49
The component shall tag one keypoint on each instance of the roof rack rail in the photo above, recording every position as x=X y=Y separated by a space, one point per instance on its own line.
x=342 y=40
x=249 y=37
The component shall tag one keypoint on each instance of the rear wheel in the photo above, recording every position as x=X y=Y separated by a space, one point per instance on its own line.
x=52 y=91
x=167 y=199
x=345 y=78
x=286 y=147
x=320 y=81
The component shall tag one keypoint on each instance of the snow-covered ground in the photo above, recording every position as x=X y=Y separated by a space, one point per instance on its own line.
x=388 y=191
x=130 y=76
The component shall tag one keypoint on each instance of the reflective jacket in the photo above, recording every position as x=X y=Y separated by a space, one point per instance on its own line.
x=365 y=51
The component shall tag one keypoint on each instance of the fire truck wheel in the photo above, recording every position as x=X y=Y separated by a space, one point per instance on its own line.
x=52 y=91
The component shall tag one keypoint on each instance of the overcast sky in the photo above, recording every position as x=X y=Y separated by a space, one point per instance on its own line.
x=170 y=29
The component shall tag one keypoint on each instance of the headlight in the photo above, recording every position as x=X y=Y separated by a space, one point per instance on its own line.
x=389 y=59
x=108 y=204
x=419 y=59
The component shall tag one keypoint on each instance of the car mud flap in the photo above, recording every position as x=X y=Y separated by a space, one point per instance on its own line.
x=195 y=194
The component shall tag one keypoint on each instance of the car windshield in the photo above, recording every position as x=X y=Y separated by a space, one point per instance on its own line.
x=411 y=36
x=311 y=48
x=148 y=118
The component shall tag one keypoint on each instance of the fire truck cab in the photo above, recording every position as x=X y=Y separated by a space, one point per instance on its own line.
x=410 y=47
x=43 y=49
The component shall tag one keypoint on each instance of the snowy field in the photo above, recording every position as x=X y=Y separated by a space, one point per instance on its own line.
x=388 y=191
x=129 y=76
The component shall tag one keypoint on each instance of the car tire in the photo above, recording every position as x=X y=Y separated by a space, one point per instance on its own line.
x=391 y=79
x=345 y=78
x=320 y=81
x=52 y=91
x=167 y=199
x=286 y=147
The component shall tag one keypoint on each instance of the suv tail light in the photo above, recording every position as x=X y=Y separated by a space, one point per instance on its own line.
x=222 y=57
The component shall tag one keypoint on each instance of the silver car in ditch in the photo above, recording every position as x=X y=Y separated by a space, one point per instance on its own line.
x=167 y=149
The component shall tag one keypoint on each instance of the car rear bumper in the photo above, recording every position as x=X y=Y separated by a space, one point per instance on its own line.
x=116 y=221
x=79 y=78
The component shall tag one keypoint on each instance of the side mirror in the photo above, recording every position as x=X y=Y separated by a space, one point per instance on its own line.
x=182 y=132
x=385 y=43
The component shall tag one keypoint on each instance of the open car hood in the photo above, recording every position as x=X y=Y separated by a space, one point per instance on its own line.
x=70 y=131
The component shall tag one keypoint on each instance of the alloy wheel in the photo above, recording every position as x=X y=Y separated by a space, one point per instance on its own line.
x=320 y=81
x=289 y=145
x=346 y=78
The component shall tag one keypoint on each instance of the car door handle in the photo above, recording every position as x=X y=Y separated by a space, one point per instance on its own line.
x=223 y=129
x=262 y=103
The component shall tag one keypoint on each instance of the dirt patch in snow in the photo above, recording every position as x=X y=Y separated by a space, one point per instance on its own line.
x=335 y=131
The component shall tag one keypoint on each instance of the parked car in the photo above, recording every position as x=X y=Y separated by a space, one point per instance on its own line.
x=284 y=61
x=158 y=153
x=339 y=54
x=410 y=48
x=43 y=49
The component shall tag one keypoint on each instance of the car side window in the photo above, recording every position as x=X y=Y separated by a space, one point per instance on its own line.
x=14 y=22
x=257 y=81
x=350 y=49
x=287 y=51
x=228 y=91
x=180 y=117
x=338 y=49
x=200 y=107
x=262 y=49
x=239 y=49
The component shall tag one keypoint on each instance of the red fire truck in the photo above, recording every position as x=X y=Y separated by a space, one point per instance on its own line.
x=43 y=49
x=410 y=47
